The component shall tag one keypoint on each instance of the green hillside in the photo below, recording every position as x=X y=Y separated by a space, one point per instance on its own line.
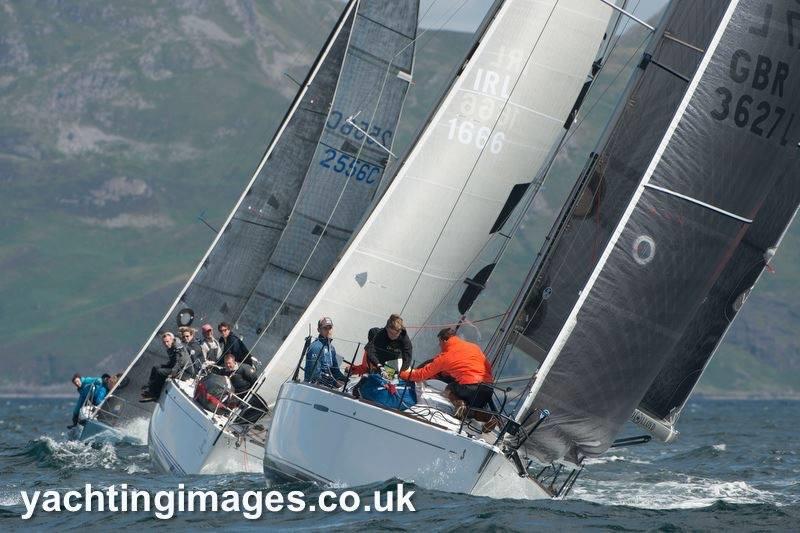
x=120 y=123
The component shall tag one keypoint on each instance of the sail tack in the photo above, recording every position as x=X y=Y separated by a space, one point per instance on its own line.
x=681 y=182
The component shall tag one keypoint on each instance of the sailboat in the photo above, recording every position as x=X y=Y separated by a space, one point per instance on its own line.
x=346 y=121
x=312 y=185
x=678 y=211
x=505 y=107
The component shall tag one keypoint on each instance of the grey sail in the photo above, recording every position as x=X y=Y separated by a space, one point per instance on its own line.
x=345 y=172
x=769 y=89
x=673 y=191
x=225 y=280
x=704 y=187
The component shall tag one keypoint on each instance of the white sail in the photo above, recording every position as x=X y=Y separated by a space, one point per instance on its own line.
x=493 y=130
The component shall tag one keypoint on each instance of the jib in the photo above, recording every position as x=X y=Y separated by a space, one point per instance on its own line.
x=742 y=63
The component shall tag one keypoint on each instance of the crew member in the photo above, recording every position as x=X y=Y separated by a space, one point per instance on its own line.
x=322 y=365
x=386 y=344
x=463 y=364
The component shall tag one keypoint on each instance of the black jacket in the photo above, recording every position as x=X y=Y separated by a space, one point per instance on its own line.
x=195 y=353
x=381 y=348
x=234 y=345
x=242 y=379
x=178 y=358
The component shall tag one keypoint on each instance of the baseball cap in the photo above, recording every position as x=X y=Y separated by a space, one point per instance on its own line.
x=324 y=321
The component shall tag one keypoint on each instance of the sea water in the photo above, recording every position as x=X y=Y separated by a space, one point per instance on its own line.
x=734 y=466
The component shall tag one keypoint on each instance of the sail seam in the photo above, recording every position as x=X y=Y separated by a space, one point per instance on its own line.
x=698 y=202
x=571 y=322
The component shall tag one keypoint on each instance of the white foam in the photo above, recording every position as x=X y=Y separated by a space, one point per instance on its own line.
x=691 y=493
x=136 y=430
x=614 y=459
x=79 y=454
x=720 y=447
x=9 y=499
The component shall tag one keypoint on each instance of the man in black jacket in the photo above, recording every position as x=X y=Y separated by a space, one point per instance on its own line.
x=230 y=343
x=389 y=343
x=178 y=360
x=242 y=375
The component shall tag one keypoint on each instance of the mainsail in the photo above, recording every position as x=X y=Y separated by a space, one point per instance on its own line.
x=670 y=390
x=491 y=131
x=681 y=187
x=351 y=76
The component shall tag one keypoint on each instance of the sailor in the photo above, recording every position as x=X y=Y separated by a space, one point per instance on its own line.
x=193 y=348
x=86 y=386
x=230 y=343
x=242 y=375
x=386 y=344
x=464 y=366
x=209 y=346
x=178 y=360
x=322 y=365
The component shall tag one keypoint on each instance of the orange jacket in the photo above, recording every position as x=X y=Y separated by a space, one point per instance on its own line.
x=461 y=360
x=362 y=368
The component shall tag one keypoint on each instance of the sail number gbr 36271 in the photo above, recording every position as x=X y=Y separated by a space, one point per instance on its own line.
x=764 y=80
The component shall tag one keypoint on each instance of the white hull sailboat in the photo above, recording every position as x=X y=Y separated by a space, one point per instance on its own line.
x=344 y=116
x=493 y=128
x=350 y=442
x=681 y=207
x=206 y=444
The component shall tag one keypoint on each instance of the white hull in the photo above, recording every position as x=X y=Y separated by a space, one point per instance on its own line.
x=351 y=442
x=184 y=438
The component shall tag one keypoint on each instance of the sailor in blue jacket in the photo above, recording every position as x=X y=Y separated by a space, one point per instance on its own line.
x=94 y=386
x=322 y=365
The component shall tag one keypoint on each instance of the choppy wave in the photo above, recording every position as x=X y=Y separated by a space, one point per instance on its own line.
x=688 y=493
x=70 y=454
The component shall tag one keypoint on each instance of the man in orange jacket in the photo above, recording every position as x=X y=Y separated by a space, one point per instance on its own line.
x=463 y=365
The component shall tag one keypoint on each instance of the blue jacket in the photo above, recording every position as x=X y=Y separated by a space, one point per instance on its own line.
x=322 y=365
x=93 y=385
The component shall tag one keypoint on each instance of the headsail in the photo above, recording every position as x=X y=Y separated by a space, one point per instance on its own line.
x=683 y=178
x=223 y=285
x=345 y=173
x=492 y=131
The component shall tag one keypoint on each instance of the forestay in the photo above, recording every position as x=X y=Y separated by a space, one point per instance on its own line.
x=492 y=130
x=225 y=281
x=664 y=219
